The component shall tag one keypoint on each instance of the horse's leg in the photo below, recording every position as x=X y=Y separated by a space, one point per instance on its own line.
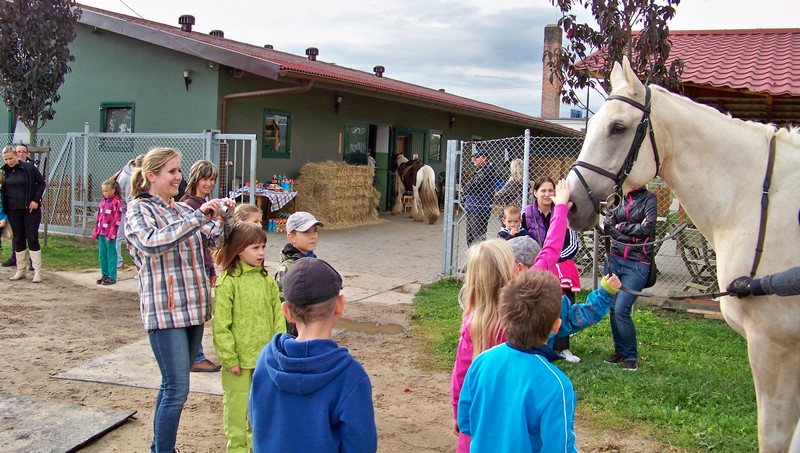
x=416 y=207
x=398 y=200
x=775 y=366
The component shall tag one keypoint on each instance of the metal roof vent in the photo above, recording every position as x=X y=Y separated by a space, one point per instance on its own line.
x=379 y=70
x=312 y=53
x=186 y=21
x=441 y=90
x=217 y=33
x=269 y=46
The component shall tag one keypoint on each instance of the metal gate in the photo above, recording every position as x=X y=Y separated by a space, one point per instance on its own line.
x=537 y=156
x=85 y=160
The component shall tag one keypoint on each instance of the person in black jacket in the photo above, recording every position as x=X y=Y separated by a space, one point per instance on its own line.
x=633 y=224
x=478 y=194
x=23 y=190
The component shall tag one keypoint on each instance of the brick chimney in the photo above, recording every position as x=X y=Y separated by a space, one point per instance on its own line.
x=551 y=92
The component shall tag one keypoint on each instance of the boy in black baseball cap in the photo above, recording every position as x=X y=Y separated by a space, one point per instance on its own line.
x=309 y=394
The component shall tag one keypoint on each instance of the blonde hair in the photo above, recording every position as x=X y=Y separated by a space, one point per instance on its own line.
x=9 y=150
x=511 y=210
x=153 y=161
x=242 y=236
x=243 y=211
x=516 y=172
x=490 y=265
x=202 y=169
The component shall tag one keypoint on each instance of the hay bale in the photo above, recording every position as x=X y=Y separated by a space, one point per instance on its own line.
x=338 y=194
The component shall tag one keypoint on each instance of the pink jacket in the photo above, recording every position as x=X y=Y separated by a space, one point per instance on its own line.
x=545 y=260
x=109 y=214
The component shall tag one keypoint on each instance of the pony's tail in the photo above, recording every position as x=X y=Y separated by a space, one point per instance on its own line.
x=427 y=194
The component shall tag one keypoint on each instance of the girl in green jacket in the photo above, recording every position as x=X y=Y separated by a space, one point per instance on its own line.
x=247 y=314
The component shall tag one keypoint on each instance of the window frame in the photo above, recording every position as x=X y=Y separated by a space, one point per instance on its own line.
x=110 y=144
x=286 y=153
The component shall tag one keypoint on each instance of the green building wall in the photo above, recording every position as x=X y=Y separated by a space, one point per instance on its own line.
x=112 y=68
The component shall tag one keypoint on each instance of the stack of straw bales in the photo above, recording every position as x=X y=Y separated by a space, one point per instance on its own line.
x=338 y=194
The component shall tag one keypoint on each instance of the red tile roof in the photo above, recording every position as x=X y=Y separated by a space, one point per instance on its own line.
x=265 y=62
x=759 y=60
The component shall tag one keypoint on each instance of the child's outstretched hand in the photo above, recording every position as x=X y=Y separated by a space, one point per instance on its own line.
x=613 y=280
x=237 y=370
x=563 y=191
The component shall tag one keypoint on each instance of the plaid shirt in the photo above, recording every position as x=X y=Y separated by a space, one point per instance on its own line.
x=166 y=243
x=108 y=217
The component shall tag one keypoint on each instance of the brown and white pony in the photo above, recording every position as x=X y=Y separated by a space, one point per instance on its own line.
x=420 y=179
x=716 y=166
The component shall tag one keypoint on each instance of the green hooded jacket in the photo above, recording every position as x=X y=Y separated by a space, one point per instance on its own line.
x=247 y=314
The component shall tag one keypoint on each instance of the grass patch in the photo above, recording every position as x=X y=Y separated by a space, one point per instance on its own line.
x=693 y=389
x=65 y=252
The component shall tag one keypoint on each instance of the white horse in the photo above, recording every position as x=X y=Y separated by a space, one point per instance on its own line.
x=421 y=180
x=716 y=166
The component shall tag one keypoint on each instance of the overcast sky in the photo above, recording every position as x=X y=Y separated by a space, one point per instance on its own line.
x=489 y=51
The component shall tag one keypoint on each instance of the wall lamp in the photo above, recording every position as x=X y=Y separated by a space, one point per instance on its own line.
x=186 y=79
x=452 y=121
x=336 y=103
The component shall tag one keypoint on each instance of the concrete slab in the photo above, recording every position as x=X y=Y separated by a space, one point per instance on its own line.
x=29 y=424
x=134 y=365
x=389 y=298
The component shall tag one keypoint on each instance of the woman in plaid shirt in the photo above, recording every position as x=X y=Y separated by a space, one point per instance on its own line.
x=166 y=243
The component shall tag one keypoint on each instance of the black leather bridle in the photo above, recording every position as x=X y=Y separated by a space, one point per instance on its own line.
x=642 y=130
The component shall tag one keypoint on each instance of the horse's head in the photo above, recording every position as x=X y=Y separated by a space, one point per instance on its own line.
x=609 y=136
x=396 y=161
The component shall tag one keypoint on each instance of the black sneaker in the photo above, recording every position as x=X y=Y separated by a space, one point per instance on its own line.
x=101 y=280
x=630 y=365
x=615 y=358
x=108 y=281
x=11 y=262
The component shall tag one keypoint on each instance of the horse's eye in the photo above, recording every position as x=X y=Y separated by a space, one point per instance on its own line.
x=617 y=128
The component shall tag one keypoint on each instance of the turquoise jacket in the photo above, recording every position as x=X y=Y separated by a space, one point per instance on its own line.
x=247 y=314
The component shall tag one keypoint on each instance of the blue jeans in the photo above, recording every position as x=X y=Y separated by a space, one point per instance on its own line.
x=633 y=275
x=174 y=350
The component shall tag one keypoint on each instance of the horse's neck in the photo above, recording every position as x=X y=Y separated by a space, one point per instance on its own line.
x=709 y=160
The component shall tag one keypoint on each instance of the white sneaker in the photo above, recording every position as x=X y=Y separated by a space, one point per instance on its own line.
x=569 y=356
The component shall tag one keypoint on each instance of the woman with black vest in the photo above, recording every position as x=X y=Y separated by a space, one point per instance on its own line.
x=23 y=190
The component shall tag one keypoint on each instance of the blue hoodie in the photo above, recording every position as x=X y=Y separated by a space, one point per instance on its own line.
x=310 y=396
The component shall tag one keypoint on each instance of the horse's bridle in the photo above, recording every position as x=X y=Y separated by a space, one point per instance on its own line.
x=644 y=128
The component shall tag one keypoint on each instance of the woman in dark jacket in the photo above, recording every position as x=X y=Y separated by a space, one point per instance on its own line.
x=633 y=225
x=23 y=190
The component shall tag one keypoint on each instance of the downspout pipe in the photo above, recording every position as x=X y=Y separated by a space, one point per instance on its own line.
x=306 y=87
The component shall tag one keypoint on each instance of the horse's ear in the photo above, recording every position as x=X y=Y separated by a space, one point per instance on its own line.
x=617 y=77
x=635 y=86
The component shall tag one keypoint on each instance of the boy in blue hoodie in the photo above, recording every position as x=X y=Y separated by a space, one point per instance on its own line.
x=309 y=394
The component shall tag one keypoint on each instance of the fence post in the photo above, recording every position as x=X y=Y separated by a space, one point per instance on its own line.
x=526 y=172
x=453 y=151
x=85 y=175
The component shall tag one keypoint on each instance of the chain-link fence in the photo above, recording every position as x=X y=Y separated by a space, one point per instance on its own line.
x=485 y=176
x=78 y=163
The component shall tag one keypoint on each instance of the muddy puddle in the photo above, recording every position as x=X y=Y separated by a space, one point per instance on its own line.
x=371 y=328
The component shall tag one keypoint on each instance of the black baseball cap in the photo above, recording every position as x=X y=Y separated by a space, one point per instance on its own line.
x=311 y=281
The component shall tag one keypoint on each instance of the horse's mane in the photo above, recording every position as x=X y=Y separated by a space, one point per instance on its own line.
x=766 y=129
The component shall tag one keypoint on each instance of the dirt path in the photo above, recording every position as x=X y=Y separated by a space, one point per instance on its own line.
x=57 y=325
